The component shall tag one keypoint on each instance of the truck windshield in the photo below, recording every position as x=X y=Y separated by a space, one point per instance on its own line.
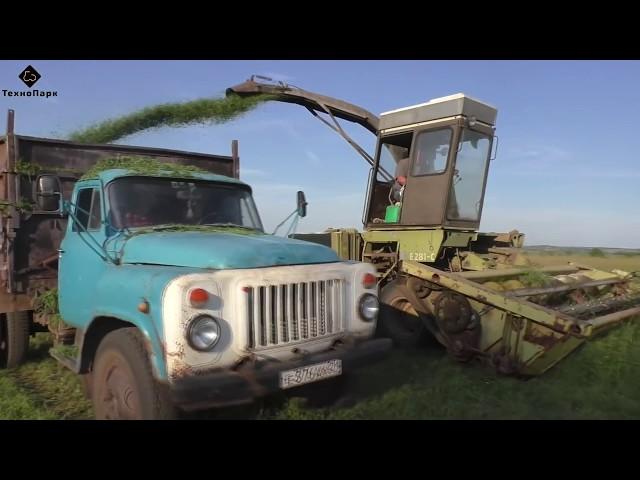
x=465 y=199
x=146 y=202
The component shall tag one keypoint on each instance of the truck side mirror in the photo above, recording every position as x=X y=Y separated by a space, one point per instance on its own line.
x=48 y=194
x=302 y=205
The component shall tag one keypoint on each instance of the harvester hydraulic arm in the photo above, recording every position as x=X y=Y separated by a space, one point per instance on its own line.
x=315 y=103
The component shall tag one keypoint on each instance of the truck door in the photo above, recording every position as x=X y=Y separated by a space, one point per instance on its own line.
x=82 y=262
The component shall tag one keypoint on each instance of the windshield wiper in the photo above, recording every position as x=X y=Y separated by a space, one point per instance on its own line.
x=231 y=225
x=165 y=226
x=187 y=227
x=156 y=228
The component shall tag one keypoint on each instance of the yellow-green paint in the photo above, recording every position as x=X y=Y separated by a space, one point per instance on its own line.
x=533 y=336
x=420 y=245
x=548 y=358
x=477 y=291
x=414 y=245
x=492 y=323
x=459 y=239
x=471 y=261
x=347 y=243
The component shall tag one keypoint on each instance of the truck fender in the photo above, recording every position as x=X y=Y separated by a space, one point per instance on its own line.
x=89 y=340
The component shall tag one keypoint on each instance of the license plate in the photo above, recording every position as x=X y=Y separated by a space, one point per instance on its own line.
x=310 y=373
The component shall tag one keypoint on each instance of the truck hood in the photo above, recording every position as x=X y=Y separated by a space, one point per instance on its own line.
x=220 y=250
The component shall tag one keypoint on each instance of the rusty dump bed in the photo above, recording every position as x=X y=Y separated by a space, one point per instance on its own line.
x=29 y=239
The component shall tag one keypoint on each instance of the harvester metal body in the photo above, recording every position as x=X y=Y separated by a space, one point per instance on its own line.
x=474 y=292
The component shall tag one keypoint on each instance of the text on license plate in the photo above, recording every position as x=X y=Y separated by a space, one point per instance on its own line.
x=310 y=373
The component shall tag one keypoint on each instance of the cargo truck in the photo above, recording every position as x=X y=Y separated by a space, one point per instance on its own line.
x=153 y=272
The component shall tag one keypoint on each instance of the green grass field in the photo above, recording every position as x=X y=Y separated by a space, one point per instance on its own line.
x=599 y=381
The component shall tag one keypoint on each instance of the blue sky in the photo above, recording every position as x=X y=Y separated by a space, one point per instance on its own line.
x=567 y=167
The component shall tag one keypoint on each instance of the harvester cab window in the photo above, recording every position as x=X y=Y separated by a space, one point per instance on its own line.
x=432 y=151
x=88 y=210
x=390 y=155
x=392 y=163
x=465 y=198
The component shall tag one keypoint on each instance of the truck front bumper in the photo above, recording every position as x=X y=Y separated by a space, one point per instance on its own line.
x=244 y=385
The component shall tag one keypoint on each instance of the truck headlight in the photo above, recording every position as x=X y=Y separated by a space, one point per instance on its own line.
x=368 y=307
x=203 y=333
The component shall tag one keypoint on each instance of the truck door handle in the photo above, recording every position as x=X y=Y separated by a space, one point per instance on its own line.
x=60 y=251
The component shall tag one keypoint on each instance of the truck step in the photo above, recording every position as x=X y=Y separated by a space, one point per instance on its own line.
x=63 y=357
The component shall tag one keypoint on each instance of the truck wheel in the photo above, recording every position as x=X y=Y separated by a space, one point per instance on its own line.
x=14 y=339
x=398 y=319
x=123 y=386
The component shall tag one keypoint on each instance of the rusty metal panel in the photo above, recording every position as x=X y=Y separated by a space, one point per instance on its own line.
x=76 y=158
x=4 y=221
x=29 y=241
x=14 y=303
x=312 y=101
x=235 y=159
x=12 y=216
x=521 y=308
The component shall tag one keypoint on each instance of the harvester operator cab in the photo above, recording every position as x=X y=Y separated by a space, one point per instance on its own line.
x=431 y=165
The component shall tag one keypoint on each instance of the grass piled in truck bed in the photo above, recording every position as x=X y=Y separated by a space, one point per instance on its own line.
x=143 y=166
x=599 y=381
x=201 y=111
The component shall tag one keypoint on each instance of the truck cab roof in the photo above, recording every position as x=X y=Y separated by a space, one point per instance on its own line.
x=108 y=175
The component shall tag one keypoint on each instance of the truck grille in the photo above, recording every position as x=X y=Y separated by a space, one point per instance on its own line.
x=282 y=314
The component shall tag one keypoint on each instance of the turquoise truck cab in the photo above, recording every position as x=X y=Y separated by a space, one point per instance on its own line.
x=177 y=271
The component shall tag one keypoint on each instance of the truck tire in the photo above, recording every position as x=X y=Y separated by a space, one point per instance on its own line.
x=398 y=319
x=122 y=384
x=14 y=339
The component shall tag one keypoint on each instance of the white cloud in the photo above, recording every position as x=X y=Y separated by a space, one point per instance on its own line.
x=326 y=209
x=534 y=160
x=187 y=95
x=261 y=126
x=313 y=158
x=265 y=188
x=565 y=227
x=545 y=152
x=607 y=173
x=252 y=172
